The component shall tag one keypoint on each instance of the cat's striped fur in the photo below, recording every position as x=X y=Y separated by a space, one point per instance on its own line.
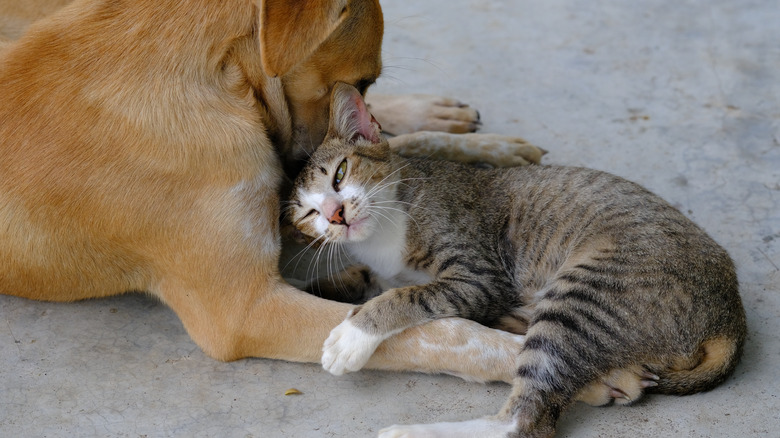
x=610 y=281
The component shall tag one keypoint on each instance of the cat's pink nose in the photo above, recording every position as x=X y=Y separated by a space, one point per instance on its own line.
x=338 y=217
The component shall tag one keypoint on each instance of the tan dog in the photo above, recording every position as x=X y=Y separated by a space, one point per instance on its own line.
x=140 y=145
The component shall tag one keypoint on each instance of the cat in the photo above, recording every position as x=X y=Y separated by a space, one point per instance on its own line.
x=608 y=282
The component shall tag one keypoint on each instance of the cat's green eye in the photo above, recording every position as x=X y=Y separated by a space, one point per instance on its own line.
x=340 y=172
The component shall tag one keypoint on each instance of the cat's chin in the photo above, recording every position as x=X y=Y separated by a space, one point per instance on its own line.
x=359 y=230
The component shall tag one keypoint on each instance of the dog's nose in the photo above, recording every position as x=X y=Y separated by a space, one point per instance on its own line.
x=338 y=217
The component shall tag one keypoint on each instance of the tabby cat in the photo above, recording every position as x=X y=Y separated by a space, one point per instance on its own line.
x=616 y=291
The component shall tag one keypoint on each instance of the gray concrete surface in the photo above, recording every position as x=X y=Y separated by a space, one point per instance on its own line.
x=680 y=96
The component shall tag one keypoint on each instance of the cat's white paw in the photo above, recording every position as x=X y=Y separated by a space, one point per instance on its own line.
x=348 y=348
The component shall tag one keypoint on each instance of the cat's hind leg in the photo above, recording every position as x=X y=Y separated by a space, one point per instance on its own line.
x=623 y=386
x=551 y=371
x=680 y=375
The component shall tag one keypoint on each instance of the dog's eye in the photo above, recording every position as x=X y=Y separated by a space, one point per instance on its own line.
x=340 y=173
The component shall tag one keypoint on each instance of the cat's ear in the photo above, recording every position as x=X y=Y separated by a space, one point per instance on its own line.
x=349 y=116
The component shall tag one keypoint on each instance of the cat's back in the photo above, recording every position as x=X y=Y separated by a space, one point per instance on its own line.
x=453 y=193
x=538 y=200
x=590 y=201
x=560 y=206
x=533 y=193
x=583 y=219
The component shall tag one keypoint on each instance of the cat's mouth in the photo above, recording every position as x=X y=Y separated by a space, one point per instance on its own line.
x=355 y=227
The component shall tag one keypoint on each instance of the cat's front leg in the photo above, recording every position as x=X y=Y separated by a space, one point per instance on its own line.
x=349 y=347
x=351 y=344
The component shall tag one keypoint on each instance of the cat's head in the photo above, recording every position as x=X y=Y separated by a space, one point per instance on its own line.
x=339 y=194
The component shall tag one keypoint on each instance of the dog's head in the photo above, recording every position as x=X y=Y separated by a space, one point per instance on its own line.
x=313 y=44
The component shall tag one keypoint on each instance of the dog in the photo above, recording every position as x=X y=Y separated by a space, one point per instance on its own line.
x=144 y=143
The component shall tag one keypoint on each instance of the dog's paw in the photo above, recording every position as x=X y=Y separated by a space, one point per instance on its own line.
x=405 y=114
x=348 y=348
x=500 y=150
x=492 y=149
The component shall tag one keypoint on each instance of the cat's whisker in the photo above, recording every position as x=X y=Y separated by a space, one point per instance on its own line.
x=327 y=253
x=371 y=176
x=388 y=175
x=332 y=276
x=384 y=207
x=333 y=266
x=374 y=189
x=379 y=213
x=300 y=254
x=399 y=210
x=350 y=261
x=332 y=261
x=314 y=265
x=396 y=201
x=340 y=252
x=392 y=202
x=381 y=186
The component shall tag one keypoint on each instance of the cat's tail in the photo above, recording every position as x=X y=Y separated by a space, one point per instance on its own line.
x=714 y=361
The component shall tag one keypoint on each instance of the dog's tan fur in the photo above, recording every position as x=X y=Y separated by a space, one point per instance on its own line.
x=16 y=16
x=139 y=146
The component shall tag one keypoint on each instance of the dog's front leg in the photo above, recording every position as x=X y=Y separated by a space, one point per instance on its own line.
x=275 y=320
x=405 y=114
x=492 y=149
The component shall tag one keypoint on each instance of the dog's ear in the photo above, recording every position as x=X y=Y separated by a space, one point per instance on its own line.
x=349 y=116
x=290 y=30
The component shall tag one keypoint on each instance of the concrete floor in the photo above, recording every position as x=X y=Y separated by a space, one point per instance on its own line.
x=682 y=97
